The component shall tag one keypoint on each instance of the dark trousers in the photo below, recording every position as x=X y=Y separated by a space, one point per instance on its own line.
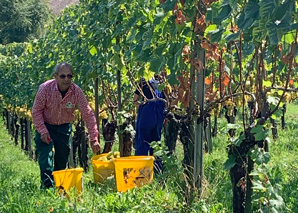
x=53 y=156
x=149 y=126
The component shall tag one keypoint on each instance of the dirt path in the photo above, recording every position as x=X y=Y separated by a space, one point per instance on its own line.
x=57 y=5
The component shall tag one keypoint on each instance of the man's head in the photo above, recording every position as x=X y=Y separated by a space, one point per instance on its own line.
x=63 y=75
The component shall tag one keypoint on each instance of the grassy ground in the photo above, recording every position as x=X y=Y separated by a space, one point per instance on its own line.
x=19 y=181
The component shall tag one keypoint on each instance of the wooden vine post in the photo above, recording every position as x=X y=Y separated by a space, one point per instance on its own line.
x=29 y=139
x=119 y=127
x=96 y=103
x=199 y=126
x=199 y=87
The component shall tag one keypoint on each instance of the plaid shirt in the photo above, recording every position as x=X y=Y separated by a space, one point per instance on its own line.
x=49 y=107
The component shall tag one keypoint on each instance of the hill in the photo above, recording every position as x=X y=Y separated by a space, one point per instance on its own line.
x=57 y=5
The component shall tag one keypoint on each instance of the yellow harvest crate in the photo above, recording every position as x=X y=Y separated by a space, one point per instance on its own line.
x=133 y=171
x=69 y=178
x=102 y=169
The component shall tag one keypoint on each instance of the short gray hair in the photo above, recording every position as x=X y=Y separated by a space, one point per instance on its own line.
x=61 y=64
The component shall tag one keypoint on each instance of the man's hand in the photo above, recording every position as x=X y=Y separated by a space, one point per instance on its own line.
x=46 y=138
x=95 y=147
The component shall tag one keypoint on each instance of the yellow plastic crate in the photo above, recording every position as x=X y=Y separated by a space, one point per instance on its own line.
x=102 y=169
x=133 y=171
x=69 y=178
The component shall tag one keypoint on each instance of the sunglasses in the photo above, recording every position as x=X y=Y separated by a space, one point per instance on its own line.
x=64 y=76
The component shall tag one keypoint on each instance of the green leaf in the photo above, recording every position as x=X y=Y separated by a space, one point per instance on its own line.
x=248 y=48
x=259 y=132
x=131 y=22
x=156 y=64
x=266 y=8
x=280 y=11
x=131 y=36
x=224 y=13
x=280 y=92
x=159 y=50
x=273 y=37
x=259 y=34
x=293 y=27
x=251 y=10
x=172 y=79
x=211 y=27
x=161 y=87
x=273 y=100
x=289 y=38
x=140 y=33
x=92 y=75
x=257 y=185
x=93 y=50
x=118 y=61
x=215 y=35
x=267 y=83
x=230 y=163
x=147 y=37
x=239 y=140
x=158 y=16
x=255 y=173
x=212 y=12
x=232 y=37
x=159 y=12
x=158 y=153
x=277 y=203
x=245 y=23
x=106 y=42
x=284 y=23
x=168 y=5
x=260 y=157
x=170 y=26
x=171 y=63
x=144 y=55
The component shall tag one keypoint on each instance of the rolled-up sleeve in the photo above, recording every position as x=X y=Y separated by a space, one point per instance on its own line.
x=87 y=115
x=38 y=110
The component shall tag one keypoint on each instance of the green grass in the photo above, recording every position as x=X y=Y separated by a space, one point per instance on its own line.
x=284 y=159
x=20 y=192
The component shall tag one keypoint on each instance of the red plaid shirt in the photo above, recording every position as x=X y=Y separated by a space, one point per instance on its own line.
x=49 y=107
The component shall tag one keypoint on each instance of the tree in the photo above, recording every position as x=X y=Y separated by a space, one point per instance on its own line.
x=21 y=20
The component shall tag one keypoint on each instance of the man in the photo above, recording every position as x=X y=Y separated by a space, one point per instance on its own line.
x=151 y=115
x=53 y=113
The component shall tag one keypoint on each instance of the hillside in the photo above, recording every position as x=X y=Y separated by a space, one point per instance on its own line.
x=57 y=5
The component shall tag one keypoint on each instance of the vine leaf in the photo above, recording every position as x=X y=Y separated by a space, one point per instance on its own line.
x=224 y=13
x=168 y=5
x=156 y=64
x=230 y=163
x=267 y=83
x=277 y=203
x=257 y=185
x=236 y=140
x=266 y=8
x=93 y=50
x=215 y=35
x=252 y=10
x=243 y=22
x=259 y=156
x=259 y=132
x=232 y=36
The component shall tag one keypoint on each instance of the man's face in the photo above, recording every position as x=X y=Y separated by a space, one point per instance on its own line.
x=63 y=78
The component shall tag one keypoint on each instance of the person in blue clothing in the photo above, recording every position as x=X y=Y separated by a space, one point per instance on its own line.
x=151 y=115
